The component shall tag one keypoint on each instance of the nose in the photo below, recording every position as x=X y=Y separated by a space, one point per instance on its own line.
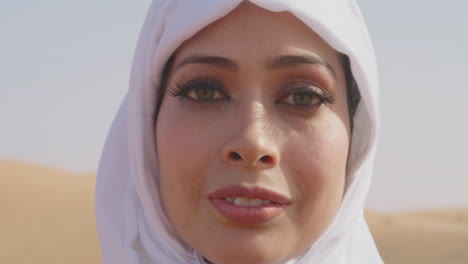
x=251 y=145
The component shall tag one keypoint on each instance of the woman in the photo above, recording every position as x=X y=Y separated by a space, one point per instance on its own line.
x=241 y=139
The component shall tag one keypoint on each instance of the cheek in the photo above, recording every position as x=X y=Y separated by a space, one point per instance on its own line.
x=184 y=153
x=317 y=160
x=183 y=141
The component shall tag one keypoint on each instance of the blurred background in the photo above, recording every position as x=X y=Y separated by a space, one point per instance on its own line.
x=64 y=69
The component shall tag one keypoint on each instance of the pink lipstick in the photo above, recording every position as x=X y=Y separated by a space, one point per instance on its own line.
x=248 y=205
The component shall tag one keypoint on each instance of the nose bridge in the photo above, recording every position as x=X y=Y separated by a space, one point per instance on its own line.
x=251 y=143
x=255 y=117
x=253 y=124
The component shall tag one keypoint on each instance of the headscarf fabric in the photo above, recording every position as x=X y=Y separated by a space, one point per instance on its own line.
x=132 y=225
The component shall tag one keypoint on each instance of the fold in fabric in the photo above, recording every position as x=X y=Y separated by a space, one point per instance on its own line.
x=132 y=226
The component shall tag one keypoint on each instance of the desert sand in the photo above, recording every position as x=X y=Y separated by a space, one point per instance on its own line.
x=47 y=217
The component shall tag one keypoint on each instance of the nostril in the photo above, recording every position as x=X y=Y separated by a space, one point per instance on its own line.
x=235 y=156
x=266 y=159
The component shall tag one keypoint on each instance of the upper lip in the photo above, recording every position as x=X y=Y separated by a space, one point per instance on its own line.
x=250 y=193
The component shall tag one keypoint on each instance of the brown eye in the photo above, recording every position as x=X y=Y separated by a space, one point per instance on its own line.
x=201 y=91
x=204 y=93
x=303 y=99
x=304 y=94
x=301 y=96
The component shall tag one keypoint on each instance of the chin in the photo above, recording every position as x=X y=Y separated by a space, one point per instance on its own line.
x=230 y=256
x=255 y=249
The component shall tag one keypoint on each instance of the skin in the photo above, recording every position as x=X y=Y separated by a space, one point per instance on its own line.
x=295 y=150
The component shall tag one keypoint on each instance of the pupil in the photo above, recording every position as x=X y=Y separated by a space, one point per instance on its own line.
x=204 y=93
x=302 y=99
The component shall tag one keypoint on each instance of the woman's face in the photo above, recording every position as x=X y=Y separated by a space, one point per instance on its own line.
x=252 y=138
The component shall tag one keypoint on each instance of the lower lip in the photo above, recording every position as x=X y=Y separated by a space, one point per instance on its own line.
x=248 y=215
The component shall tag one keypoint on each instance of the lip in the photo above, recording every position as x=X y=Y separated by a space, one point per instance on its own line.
x=249 y=215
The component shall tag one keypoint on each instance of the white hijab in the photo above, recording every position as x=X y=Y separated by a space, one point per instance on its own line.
x=132 y=226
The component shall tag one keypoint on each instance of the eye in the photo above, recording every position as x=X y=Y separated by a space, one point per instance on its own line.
x=304 y=94
x=203 y=93
x=301 y=99
x=200 y=90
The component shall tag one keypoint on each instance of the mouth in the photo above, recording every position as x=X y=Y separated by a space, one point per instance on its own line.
x=242 y=201
x=248 y=205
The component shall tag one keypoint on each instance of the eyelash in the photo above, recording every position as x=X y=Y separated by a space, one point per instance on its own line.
x=307 y=88
x=183 y=89
x=302 y=88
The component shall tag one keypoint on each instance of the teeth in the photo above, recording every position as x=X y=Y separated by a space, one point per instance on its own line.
x=242 y=201
x=255 y=202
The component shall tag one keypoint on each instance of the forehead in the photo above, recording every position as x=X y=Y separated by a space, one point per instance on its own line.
x=250 y=32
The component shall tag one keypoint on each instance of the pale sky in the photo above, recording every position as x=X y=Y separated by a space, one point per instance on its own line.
x=64 y=69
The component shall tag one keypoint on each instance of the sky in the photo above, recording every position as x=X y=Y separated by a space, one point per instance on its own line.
x=64 y=69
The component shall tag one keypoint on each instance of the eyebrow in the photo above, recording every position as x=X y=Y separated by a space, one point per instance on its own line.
x=275 y=63
x=210 y=60
x=287 y=61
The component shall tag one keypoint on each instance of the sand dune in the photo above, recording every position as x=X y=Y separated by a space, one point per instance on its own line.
x=438 y=237
x=47 y=217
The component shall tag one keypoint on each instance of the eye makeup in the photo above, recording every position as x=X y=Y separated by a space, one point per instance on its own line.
x=202 y=90
x=306 y=88
x=300 y=85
